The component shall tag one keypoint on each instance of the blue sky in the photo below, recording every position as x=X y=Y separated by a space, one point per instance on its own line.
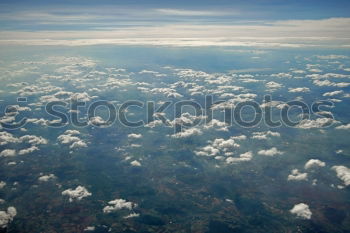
x=197 y=23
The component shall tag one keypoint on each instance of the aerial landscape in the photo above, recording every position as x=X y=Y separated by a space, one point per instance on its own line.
x=174 y=116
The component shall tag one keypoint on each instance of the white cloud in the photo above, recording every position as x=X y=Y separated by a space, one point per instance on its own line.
x=296 y=175
x=6 y=138
x=7 y=216
x=134 y=135
x=317 y=123
x=343 y=173
x=247 y=156
x=78 y=193
x=8 y=153
x=314 y=163
x=270 y=152
x=34 y=140
x=74 y=141
x=46 y=178
x=347 y=126
x=135 y=163
x=332 y=57
x=2 y=184
x=273 y=85
x=264 y=135
x=118 y=204
x=283 y=33
x=187 y=133
x=298 y=89
x=333 y=93
x=28 y=150
x=301 y=210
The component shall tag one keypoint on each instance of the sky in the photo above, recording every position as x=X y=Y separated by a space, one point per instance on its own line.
x=263 y=23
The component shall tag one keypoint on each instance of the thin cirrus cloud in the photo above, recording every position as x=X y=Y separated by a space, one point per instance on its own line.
x=168 y=27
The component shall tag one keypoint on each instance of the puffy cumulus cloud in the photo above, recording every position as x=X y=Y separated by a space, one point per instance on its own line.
x=46 y=178
x=187 y=133
x=28 y=150
x=44 y=89
x=70 y=137
x=274 y=104
x=247 y=156
x=186 y=119
x=317 y=123
x=118 y=204
x=34 y=140
x=327 y=83
x=168 y=92
x=347 y=126
x=67 y=138
x=97 y=121
x=217 y=125
x=135 y=163
x=270 y=152
x=312 y=163
x=273 y=85
x=8 y=153
x=6 y=138
x=7 y=216
x=297 y=175
x=343 y=173
x=78 y=144
x=264 y=135
x=219 y=145
x=2 y=184
x=82 y=97
x=298 y=89
x=301 y=210
x=78 y=193
x=134 y=136
x=333 y=93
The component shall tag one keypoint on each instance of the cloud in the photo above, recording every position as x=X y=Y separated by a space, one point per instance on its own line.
x=273 y=85
x=28 y=150
x=301 y=210
x=333 y=93
x=312 y=163
x=181 y=12
x=70 y=137
x=264 y=135
x=7 y=216
x=347 y=126
x=135 y=163
x=343 y=173
x=78 y=193
x=331 y=32
x=247 y=156
x=299 y=89
x=187 y=133
x=6 y=138
x=332 y=57
x=317 y=123
x=118 y=204
x=134 y=136
x=2 y=184
x=46 y=178
x=296 y=175
x=270 y=152
x=34 y=140
x=8 y=153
